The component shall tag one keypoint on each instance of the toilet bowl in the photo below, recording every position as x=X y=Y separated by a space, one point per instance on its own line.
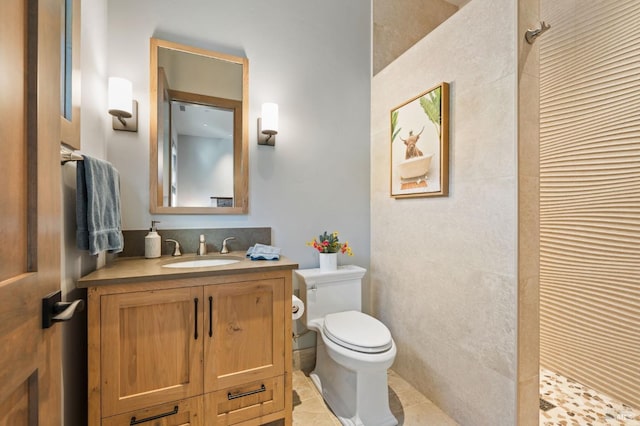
x=353 y=350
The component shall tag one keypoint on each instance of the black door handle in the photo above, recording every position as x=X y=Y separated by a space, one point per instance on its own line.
x=55 y=310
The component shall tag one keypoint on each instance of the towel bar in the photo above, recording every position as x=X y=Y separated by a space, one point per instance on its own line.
x=67 y=155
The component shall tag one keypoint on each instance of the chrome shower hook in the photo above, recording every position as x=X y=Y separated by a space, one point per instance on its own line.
x=532 y=35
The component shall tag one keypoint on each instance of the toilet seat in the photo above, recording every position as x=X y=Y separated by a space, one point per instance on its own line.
x=357 y=331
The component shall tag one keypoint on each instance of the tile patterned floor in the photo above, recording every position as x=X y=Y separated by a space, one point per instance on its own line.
x=573 y=405
x=409 y=406
x=576 y=404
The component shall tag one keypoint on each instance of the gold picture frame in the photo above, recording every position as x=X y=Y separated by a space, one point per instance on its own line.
x=420 y=145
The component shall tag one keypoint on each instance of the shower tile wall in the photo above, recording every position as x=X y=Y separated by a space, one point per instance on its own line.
x=528 y=216
x=590 y=197
x=444 y=270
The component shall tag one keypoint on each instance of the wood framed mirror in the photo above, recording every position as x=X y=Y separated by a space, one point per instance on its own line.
x=199 y=100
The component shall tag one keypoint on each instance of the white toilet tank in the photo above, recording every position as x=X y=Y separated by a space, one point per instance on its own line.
x=328 y=292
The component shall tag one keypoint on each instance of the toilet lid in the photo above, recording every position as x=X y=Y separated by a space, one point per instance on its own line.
x=357 y=331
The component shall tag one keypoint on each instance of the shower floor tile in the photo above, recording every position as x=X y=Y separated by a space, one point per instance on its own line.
x=576 y=404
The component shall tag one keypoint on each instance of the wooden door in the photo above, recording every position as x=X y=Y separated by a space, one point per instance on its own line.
x=151 y=348
x=244 y=333
x=30 y=388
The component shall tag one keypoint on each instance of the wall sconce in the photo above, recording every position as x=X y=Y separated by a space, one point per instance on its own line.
x=268 y=124
x=122 y=106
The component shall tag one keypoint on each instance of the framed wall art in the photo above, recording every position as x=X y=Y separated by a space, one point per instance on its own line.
x=420 y=145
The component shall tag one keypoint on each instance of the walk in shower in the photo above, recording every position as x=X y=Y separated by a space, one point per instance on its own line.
x=590 y=206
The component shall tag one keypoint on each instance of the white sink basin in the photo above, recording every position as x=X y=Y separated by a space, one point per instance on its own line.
x=201 y=263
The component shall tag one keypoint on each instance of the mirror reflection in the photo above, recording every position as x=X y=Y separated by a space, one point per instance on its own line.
x=198 y=138
x=70 y=74
x=201 y=156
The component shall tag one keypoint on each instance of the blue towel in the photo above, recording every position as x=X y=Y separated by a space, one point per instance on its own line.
x=98 y=207
x=263 y=252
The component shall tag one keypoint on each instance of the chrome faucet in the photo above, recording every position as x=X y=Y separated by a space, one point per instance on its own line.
x=224 y=249
x=176 y=250
x=202 y=246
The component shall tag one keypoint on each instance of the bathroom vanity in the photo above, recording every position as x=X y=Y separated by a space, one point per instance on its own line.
x=197 y=345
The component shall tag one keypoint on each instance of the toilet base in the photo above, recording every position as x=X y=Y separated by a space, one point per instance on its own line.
x=357 y=398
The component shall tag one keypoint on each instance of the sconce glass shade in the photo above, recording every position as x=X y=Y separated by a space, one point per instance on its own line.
x=270 y=118
x=120 y=97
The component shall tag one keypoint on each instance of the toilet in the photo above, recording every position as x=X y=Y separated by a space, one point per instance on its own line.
x=353 y=350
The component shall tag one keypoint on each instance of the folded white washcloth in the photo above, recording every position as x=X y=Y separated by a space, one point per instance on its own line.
x=263 y=252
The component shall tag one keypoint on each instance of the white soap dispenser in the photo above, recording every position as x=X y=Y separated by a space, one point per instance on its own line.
x=152 y=242
x=202 y=246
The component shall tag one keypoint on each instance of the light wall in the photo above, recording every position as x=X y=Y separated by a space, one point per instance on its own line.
x=313 y=59
x=204 y=169
x=444 y=271
x=76 y=263
x=399 y=24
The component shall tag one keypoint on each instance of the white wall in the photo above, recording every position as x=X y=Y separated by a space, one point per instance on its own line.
x=205 y=169
x=444 y=270
x=313 y=59
x=76 y=263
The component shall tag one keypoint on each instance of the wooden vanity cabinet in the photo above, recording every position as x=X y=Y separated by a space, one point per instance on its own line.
x=196 y=351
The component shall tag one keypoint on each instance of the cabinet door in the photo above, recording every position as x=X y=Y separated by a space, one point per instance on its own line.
x=151 y=348
x=244 y=332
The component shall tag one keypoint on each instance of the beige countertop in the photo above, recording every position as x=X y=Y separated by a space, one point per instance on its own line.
x=138 y=269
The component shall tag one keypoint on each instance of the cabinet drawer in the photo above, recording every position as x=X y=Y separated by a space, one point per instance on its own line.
x=245 y=402
x=179 y=413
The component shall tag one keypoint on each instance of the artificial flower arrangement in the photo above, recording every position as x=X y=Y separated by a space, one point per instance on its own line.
x=329 y=243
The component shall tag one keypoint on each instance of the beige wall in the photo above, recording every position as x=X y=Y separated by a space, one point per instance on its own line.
x=399 y=24
x=590 y=166
x=528 y=215
x=444 y=270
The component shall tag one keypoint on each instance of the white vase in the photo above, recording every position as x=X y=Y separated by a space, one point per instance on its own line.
x=328 y=262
